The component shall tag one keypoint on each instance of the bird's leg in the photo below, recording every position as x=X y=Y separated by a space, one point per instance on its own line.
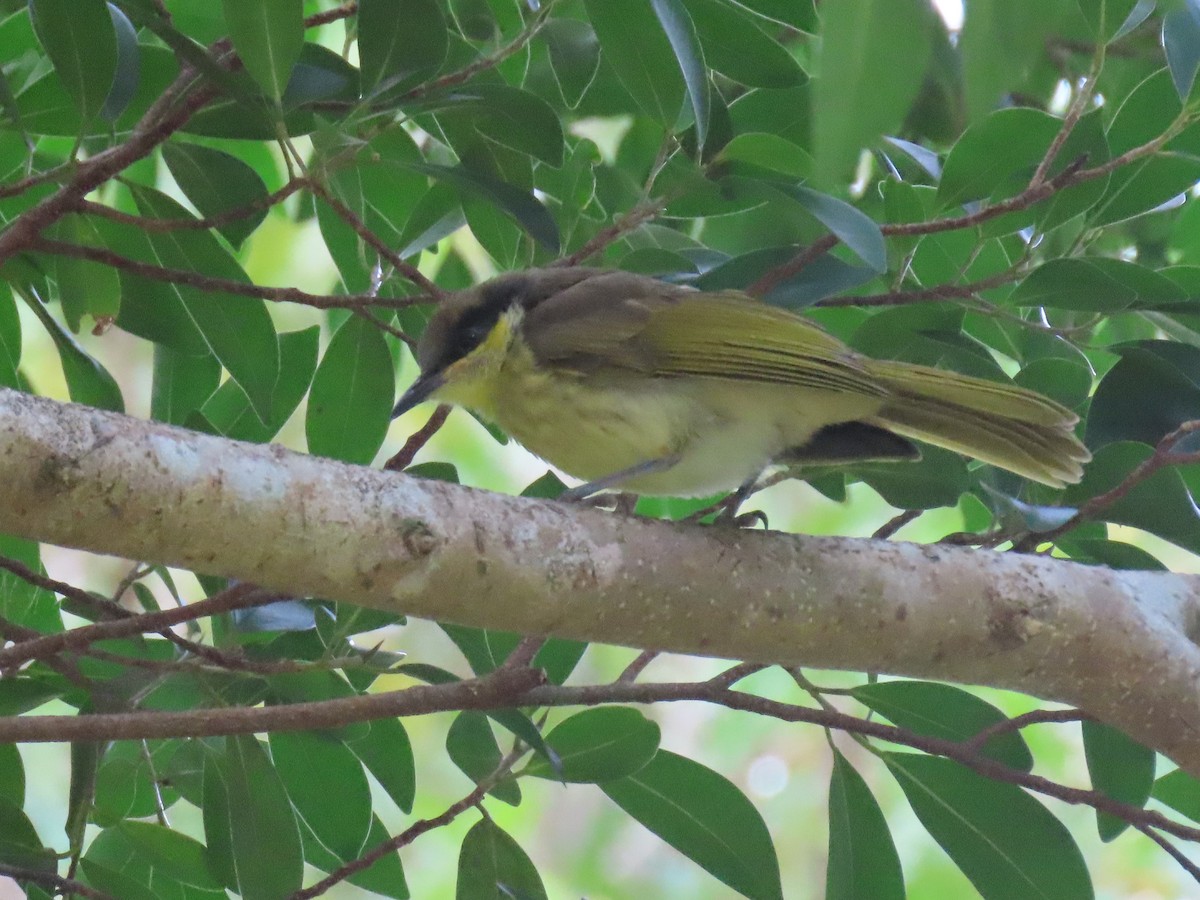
x=727 y=507
x=648 y=467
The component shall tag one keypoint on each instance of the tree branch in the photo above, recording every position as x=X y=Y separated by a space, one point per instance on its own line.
x=1118 y=645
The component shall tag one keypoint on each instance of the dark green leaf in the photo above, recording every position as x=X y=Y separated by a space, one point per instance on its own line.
x=87 y=381
x=237 y=329
x=128 y=71
x=1095 y=284
x=873 y=59
x=946 y=712
x=19 y=695
x=1180 y=791
x=798 y=13
x=19 y=842
x=1003 y=840
x=218 y=183
x=1119 y=411
x=12 y=776
x=1161 y=504
x=855 y=229
x=84 y=287
x=319 y=76
x=267 y=35
x=229 y=409
x=1069 y=381
x=1181 y=41
x=385 y=876
x=400 y=42
x=1000 y=43
x=768 y=151
x=161 y=860
x=598 y=745
x=1006 y=143
x=736 y=46
x=558 y=658
x=81 y=42
x=1106 y=17
x=1120 y=768
x=386 y=752
x=519 y=205
x=685 y=44
x=10 y=341
x=1028 y=516
x=492 y=866
x=472 y=747
x=350 y=403
x=181 y=383
x=634 y=43
x=574 y=57
x=704 y=816
x=512 y=118
x=20 y=601
x=308 y=765
x=251 y=832
x=862 y=856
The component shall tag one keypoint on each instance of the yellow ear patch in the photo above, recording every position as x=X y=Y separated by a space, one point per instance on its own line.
x=471 y=381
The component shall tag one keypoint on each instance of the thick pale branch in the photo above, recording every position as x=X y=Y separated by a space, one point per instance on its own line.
x=1116 y=644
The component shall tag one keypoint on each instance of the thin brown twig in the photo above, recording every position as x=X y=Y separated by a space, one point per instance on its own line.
x=239 y=596
x=150 y=224
x=1170 y=849
x=53 y=881
x=794 y=266
x=1071 y=118
x=1034 y=717
x=418 y=439
x=413 y=831
x=347 y=215
x=637 y=666
x=1164 y=455
x=894 y=524
x=210 y=283
x=623 y=224
x=924 y=295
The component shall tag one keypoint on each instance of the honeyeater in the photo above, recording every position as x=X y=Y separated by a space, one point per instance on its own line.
x=632 y=383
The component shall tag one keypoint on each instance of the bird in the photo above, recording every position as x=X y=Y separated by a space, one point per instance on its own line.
x=630 y=383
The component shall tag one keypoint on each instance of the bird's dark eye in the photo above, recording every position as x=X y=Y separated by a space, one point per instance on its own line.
x=471 y=335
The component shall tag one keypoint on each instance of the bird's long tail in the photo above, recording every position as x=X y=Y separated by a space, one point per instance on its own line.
x=1002 y=424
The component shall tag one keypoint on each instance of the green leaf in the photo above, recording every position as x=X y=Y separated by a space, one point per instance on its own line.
x=385 y=876
x=1106 y=17
x=574 y=57
x=1162 y=504
x=81 y=41
x=1003 y=144
x=229 y=410
x=387 y=753
x=1119 y=411
x=267 y=35
x=181 y=383
x=1181 y=42
x=159 y=859
x=1003 y=840
x=511 y=117
x=862 y=856
x=1096 y=284
x=1144 y=186
x=12 y=776
x=946 y=712
x=634 y=44
x=251 y=832
x=704 y=816
x=129 y=64
x=237 y=329
x=1120 y=768
x=685 y=44
x=10 y=342
x=21 y=602
x=88 y=382
x=873 y=59
x=598 y=745
x=341 y=818
x=84 y=287
x=1069 y=381
x=798 y=13
x=492 y=866
x=1180 y=791
x=768 y=151
x=218 y=183
x=400 y=42
x=519 y=205
x=472 y=747
x=1001 y=42
x=737 y=47
x=19 y=842
x=856 y=229
x=349 y=405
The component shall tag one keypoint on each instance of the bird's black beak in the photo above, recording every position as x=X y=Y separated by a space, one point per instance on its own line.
x=419 y=390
